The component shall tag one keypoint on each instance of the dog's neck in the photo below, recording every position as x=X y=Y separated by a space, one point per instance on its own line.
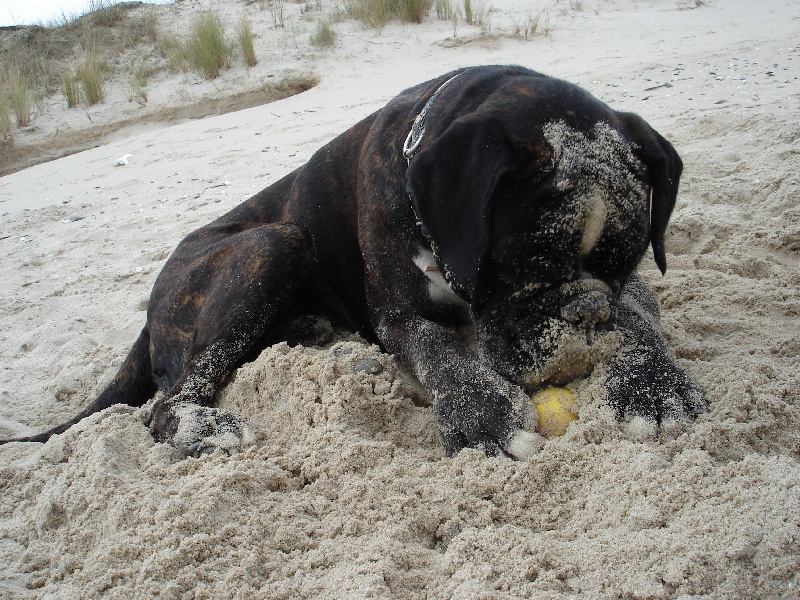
x=414 y=138
x=410 y=149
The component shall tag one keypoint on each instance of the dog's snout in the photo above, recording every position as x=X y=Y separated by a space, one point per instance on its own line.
x=588 y=302
x=587 y=309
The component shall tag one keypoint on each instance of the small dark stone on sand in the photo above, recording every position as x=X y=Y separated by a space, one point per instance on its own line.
x=368 y=365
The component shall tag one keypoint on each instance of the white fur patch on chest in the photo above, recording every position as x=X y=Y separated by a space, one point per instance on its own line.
x=438 y=288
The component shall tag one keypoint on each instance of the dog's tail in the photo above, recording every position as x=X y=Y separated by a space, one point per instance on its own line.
x=132 y=385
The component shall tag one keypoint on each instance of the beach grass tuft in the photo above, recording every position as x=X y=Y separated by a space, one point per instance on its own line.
x=72 y=92
x=138 y=76
x=323 y=36
x=476 y=12
x=6 y=134
x=207 y=50
x=412 y=11
x=276 y=9
x=445 y=10
x=377 y=13
x=244 y=37
x=90 y=74
x=16 y=91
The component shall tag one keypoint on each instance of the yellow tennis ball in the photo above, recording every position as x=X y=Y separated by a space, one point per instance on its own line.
x=556 y=408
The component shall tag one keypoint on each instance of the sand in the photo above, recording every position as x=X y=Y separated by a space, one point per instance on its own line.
x=346 y=493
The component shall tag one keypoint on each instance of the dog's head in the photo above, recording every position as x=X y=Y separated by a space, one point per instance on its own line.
x=540 y=202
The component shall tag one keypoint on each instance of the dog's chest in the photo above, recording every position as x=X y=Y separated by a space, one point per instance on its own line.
x=438 y=289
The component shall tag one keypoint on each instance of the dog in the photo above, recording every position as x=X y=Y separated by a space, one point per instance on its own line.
x=493 y=200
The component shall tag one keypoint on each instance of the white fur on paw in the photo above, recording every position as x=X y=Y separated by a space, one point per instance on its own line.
x=202 y=430
x=642 y=430
x=524 y=444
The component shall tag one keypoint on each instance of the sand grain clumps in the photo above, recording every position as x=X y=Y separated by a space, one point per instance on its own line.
x=346 y=486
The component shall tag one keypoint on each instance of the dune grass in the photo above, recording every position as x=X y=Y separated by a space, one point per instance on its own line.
x=69 y=55
x=276 y=9
x=476 y=12
x=138 y=76
x=72 y=92
x=6 y=134
x=206 y=49
x=412 y=11
x=16 y=92
x=90 y=75
x=468 y=14
x=445 y=10
x=244 y=37
x=323 y=36
x=98 y=13
x=539 y=23
x=536 y=24
x=377 y=13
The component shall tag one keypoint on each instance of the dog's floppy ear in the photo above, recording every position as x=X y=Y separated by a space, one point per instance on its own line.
x=451 y=181
x=664 y=167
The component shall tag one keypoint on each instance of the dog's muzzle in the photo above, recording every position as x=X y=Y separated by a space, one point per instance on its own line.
x=588 y=303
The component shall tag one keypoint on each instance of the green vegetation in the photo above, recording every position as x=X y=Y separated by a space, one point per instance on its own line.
x=412 y=11
x=276 y=11
x=324 y=35
x=206 y=49
x=17 y=92
x=70 y=55
x=99 y=13
x=476 y=12
x=376 y=13
x=244 y=36
x=90 y=74
x=138 y=76
x=6 y=136
x=537 y=24
x=445 y=10
x=468 y=16
x=71 y=91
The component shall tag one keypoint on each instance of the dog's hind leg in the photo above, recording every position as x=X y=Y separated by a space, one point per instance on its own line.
x=132 y=385
x=240 y=285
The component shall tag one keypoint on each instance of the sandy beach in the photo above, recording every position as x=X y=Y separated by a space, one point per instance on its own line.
x=346 y=492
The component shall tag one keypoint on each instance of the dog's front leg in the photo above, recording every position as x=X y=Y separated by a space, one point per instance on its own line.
x=644 y=380
x=475 y=407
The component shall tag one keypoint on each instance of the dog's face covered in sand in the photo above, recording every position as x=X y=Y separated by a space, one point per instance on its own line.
x=538 y=229
x=519 y=205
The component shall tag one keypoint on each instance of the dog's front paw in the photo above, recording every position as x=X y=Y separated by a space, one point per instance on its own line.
x=652 y=387
x=195 y=430
x=492 y=415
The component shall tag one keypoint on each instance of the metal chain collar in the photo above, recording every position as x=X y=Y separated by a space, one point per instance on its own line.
x=414 y=138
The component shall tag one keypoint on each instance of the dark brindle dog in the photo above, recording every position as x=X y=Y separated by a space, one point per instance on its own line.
x=495 y=197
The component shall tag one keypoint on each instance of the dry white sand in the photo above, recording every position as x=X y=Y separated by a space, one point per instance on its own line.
x=346 y=493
